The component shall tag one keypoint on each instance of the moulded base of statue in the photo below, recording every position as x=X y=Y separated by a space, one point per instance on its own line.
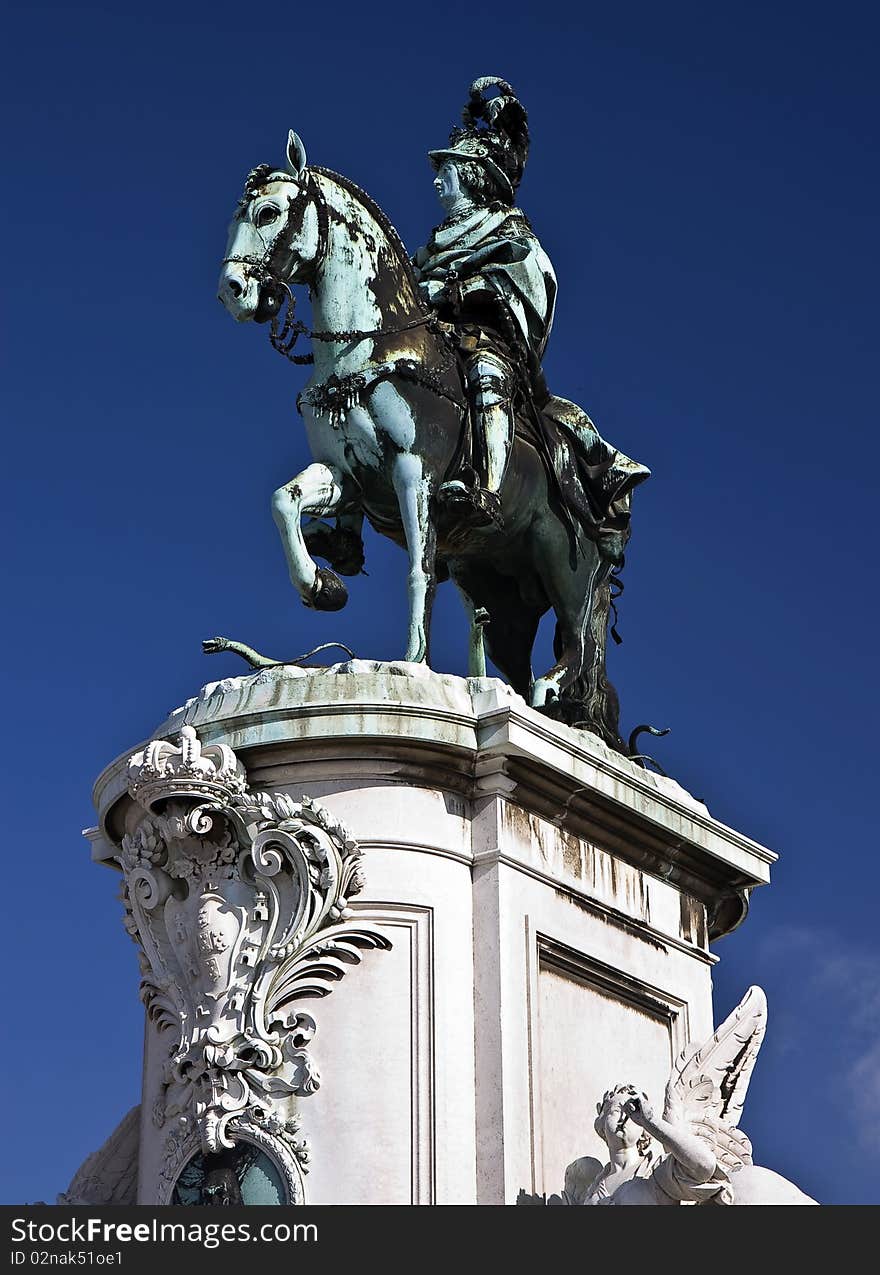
x=522 y=917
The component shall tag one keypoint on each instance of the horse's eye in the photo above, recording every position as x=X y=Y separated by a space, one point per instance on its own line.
x=266 y=215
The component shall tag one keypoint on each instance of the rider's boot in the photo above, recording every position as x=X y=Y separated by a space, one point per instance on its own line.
x=489 y=381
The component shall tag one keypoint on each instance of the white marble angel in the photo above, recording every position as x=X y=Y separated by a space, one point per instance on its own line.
x=704 y=1157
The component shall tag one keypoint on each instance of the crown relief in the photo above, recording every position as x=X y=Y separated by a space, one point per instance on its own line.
x=162 y=770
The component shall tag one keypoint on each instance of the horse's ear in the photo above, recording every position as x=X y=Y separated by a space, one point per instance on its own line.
x=296 y=154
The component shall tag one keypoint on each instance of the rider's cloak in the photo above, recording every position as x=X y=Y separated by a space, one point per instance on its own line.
x=497 y=257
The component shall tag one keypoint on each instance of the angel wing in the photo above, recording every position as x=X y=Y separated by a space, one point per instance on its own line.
x=713 y=1078
x=708 y=1084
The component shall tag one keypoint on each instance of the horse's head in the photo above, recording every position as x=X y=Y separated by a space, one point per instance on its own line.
x=273 y=239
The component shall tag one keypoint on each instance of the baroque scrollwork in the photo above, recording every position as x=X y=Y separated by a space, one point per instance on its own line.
x=277 y=1136
x=238 y=902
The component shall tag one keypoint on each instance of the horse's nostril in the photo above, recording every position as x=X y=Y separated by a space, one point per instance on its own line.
x=234 y=286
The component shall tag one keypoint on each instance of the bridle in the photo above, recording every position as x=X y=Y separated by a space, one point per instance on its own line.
x=284 y=333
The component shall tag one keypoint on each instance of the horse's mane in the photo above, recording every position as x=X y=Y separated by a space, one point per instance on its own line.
x=375 y=211
x=266 y=172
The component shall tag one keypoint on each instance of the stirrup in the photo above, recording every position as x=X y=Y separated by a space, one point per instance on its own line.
x=481 y=508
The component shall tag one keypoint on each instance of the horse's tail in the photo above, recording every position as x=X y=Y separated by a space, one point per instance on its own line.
x=592 y=695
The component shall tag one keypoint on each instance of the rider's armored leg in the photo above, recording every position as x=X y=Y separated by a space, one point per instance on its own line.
x=490 y=385
x=490 y=390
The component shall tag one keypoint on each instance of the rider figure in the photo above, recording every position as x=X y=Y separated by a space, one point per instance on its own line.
x=484 y=270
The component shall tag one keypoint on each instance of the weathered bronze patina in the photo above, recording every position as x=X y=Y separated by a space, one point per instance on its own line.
x=428 y=413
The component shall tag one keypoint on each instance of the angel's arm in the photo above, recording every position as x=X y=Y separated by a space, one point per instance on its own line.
x=692 y=1152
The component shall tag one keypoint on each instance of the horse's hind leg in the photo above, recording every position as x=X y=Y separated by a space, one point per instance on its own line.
x=573 y=596
x=510 y=636
x=478 y=618
x=510 y=626
x=414 y=497
x=317 y=490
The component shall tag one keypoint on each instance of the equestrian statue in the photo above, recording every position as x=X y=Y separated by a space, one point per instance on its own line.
x=427 y=412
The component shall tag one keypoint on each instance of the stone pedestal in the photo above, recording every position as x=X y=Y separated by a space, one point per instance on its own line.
x=549 y=906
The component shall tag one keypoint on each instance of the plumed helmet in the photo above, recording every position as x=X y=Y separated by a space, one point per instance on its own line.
x=494 y=133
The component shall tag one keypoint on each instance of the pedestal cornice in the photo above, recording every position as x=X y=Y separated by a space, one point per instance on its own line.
x=471 y=737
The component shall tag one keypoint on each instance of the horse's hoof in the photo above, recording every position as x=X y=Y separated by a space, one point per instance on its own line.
x=543 y=694
x=328 y=593
x=342 y=548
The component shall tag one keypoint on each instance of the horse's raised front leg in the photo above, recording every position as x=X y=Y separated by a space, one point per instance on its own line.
x=317 y=490
x=414 y=497
x=342 y=545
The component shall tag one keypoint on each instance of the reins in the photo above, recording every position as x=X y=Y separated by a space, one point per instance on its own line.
x=283 y=339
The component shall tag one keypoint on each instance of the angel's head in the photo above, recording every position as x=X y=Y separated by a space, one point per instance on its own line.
x=614 y=1126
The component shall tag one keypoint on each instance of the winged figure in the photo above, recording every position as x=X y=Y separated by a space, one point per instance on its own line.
x=704 y=1156
x=109 y=1175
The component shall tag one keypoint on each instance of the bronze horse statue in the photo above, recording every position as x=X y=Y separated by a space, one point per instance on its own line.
x=387 y=422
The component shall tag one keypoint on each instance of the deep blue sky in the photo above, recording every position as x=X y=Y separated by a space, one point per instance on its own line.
x=705 y=179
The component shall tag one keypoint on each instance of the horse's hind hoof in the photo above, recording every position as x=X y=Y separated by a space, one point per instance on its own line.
x=328 y=593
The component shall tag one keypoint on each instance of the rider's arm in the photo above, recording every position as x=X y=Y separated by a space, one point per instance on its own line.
x=501 y=252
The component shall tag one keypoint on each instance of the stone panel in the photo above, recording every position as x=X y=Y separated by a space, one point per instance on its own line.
x=588 y=1037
